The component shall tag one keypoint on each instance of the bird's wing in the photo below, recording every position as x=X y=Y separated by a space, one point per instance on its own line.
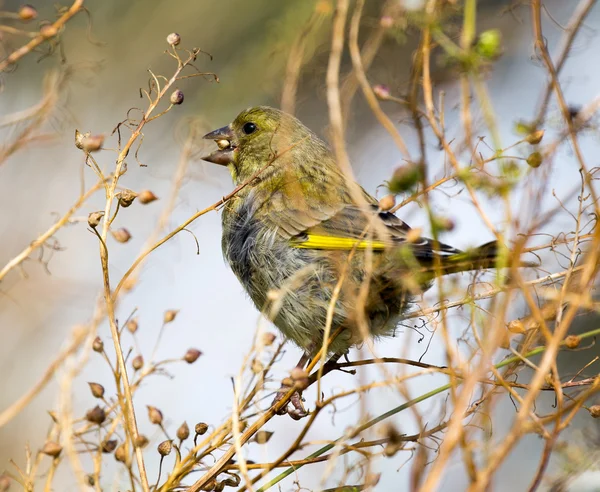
x=353 y=227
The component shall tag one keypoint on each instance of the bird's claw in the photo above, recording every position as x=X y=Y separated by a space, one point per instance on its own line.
x=298 y=412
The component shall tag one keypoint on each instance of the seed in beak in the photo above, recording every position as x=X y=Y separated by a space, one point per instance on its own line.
x=223 y=144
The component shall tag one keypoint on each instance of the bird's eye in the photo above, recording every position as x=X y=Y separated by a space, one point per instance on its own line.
x=249 y=128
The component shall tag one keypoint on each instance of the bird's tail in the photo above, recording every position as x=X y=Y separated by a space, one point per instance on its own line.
x=485 y=256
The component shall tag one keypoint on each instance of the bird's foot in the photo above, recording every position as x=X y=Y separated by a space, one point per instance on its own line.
x=298 y=411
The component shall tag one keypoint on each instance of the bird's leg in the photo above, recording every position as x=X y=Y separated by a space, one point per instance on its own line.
x=296 y=399
x=329 y=366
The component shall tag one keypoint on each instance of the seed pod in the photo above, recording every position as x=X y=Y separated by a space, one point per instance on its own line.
x=572 y=341
x=48 y=30
x=200 y=428
x=381 y=91
x=94 y=219
x=257 y=366
x=155 y=415
x=92 y=143
x=173 y=39
x=405 y=177
x=268 y=338
x=595 y=411
x=165 y=447
x=27 y=12
x=121 y=235
x=300 y=378
x=4 y=483
x=79 y=138
x=516 y=326
x=126 y=198
x=121 y=453
x=97 y=390
x=183 y=432
x=535 y=137
x=98 y=345
x=96 y=415
x=141 y=441
x=176 y=97
x=262 y=437
x=387 y=202
x=489 y=44
x=534 y=160
x=192 y=355
x=146 y=196
x=109 y=446
x=52 y=448
x=132 y=325
x=170 y=315
x=138 y=362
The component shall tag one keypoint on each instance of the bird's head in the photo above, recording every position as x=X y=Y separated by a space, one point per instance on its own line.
x=255 y=138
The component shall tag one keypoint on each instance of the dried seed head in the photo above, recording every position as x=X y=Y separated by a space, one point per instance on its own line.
x=47 y=30
x=595 y=411
x=92 y=143
x=183 y=432
x=94 y=219
x=257 y=366
x=534 y=160
x=200 y=428
x=27 y=13
x=141 y=441
x=173 y=39
x=300 y=378
x=176 y=97
x=535 y=137
x=405 y=177
x=262 y=437
x=381 y=91
x=121 y=453
x=52 y=448
x=165 y=447
x=79 y=137
x=155 y=415
x=192 y=355
x=98 y=345
x=121 y=235
x=138 y=362
x=572 y=341
x=132 y=325
x=516 y=326
x=387 y=202
x=126 y=198
x=4 y=483
x=109 y=446
x=96 y=415
x=146 y=196
x=97 y=390
x=170 y=315
x=268 y=338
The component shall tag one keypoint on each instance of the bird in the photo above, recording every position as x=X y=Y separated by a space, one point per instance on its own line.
x=313 y=250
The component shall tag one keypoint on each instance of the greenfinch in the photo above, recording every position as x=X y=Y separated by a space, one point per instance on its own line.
x=314 y=251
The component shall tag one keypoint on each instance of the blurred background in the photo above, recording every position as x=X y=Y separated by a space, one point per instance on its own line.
x=250 y=43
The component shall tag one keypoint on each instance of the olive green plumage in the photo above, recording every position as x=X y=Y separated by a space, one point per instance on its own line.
x=296 y=229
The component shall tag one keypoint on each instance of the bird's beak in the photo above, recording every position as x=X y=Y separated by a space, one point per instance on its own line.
x=225 y=141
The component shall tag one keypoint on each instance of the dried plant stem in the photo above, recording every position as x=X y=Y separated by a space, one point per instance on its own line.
x=16 y=55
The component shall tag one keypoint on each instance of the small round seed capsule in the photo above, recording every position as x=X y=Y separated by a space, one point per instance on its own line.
x=223 y=144
x=173 y=39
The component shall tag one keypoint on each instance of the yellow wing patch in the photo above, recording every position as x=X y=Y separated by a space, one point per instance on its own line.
x=315 y=241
